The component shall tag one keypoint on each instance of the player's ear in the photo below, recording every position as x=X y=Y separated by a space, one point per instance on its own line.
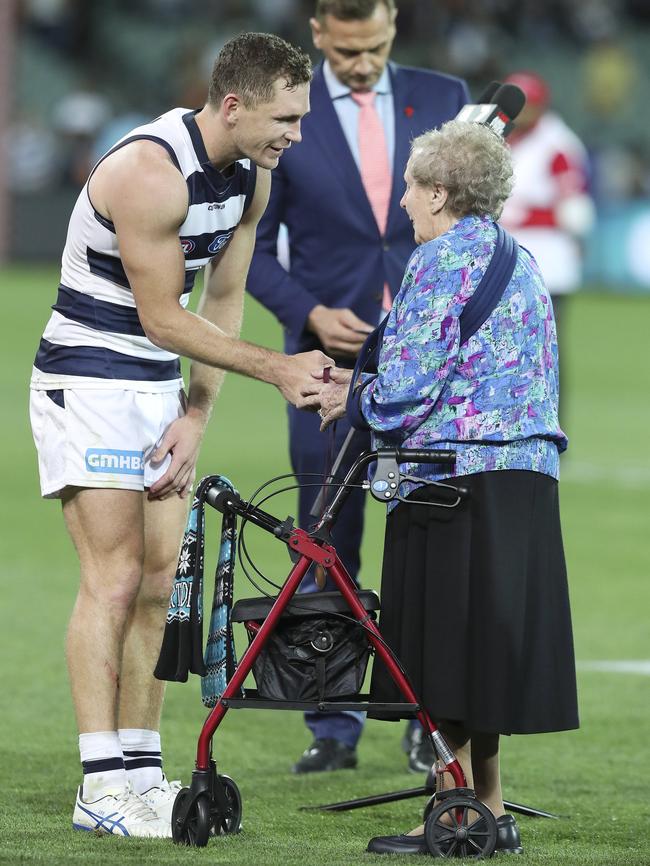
x=230 y=107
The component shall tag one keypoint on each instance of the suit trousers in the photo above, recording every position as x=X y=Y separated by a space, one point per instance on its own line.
x=311 y=451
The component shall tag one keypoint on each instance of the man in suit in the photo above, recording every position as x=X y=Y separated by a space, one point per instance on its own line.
x=349 y=241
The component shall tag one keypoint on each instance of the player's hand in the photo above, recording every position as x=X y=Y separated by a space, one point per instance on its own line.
x=340 y=330
x=182 y=441
x=339 y=375
x=299 y=371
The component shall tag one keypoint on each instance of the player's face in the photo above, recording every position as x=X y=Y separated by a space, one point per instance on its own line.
x=267 y=130
x=417 y=202
x=357 y=51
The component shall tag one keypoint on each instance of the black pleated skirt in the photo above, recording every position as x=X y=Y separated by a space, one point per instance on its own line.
x=474 y=601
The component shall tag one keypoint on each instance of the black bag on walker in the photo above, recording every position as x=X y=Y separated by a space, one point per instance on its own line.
x=311 y=655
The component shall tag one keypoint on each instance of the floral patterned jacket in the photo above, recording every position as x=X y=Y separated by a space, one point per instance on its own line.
x=495 y=398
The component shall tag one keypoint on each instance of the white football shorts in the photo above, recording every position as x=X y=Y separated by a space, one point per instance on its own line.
x=100 y=438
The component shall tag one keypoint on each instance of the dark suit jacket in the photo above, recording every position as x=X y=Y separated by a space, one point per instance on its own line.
x=337 y=255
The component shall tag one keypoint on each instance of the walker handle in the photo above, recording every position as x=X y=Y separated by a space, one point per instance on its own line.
x=425 y=455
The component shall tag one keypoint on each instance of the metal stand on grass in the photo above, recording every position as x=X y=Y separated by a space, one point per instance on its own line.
x=428 y=789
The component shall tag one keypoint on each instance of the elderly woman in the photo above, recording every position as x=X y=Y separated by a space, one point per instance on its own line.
x=474 y=598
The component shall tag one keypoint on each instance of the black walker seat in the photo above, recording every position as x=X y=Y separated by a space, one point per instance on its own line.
x=305 y=608
x=257 y=609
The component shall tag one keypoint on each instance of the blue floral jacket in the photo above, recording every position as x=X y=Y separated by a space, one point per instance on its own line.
x=495 y=398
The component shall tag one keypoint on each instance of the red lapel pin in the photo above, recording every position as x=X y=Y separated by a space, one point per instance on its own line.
x=408 y=111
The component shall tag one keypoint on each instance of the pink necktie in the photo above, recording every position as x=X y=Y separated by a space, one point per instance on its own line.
x=374 y=165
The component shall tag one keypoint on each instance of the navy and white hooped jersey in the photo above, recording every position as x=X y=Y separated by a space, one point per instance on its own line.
x=94 y=338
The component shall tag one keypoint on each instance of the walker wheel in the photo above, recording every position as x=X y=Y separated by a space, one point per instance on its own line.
x=195 y=829
x=230 y=820
x=461 y=827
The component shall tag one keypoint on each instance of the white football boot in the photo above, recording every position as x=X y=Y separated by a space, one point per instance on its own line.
x=123 y=814
x=161 y=799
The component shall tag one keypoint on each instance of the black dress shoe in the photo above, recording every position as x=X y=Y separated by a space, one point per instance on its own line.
x=398 y=845
x=508 y=839
x=407 y=739
x=325 y=755
x=419 y=749
x=421 y=756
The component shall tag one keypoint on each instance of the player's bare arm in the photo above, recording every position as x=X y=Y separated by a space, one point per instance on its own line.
x=147 y=201
x=222 y=300
x=222 y=304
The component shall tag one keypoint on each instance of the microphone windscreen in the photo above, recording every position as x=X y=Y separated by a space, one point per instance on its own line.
x=486 y=97
x=510 y=99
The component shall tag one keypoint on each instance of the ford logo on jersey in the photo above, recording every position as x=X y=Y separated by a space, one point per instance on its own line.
x=114 y=462
x=219 y=242
x=188 y=246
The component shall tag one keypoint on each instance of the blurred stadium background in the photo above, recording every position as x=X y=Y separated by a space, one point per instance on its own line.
x=77 y=74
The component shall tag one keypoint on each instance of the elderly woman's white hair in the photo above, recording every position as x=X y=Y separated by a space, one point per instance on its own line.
x=470 y=161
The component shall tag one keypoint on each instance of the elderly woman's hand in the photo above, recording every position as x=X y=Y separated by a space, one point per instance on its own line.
x=328 y=398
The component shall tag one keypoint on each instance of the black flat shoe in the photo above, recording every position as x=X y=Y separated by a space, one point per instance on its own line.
x=508 y=839
x=326 y=755
x=398 y=845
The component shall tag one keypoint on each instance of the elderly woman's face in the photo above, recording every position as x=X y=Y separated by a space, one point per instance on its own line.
x=417 y=202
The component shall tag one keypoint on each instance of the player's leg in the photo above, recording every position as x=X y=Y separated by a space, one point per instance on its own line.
x=107 y=529
x=141 y=694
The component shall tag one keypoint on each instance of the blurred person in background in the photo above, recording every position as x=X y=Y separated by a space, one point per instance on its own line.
x=550 y=211
x=338 y=196
x=78 y=118
x=59 y=25
x=33 y=158
x=117 y=438
x=474 y=597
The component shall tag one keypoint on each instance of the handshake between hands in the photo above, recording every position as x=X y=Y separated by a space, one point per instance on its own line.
x=323 y=387
x=327 y=393
x=312 y=381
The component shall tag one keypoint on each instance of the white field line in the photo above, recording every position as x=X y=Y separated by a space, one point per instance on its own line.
x=631 y=476
x=609 y=666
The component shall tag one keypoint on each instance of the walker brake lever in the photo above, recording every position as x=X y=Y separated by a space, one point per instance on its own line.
x=461 y=492
x=386 y=479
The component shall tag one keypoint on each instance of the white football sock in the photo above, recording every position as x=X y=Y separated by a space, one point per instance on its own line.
x=142 y=758
x=103 y=765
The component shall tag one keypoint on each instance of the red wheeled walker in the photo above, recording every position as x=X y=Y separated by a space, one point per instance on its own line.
x=458 y=824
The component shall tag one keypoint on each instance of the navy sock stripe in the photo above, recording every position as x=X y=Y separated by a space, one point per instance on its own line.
x=137 y=763
x=102 y=765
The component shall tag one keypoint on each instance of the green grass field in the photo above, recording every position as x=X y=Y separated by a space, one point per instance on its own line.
x=598 y=777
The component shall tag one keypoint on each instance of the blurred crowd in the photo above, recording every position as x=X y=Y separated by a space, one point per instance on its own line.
x=88 y=71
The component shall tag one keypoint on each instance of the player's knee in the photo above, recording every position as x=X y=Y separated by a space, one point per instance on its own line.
x=116 y=589
x=156 y=588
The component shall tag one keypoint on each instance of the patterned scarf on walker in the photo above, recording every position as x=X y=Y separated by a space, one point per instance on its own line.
x=182 y=647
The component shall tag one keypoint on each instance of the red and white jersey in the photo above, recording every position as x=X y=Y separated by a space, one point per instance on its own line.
x=549 y=209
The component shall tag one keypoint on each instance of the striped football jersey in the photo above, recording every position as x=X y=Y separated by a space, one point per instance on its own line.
x=94 y=337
